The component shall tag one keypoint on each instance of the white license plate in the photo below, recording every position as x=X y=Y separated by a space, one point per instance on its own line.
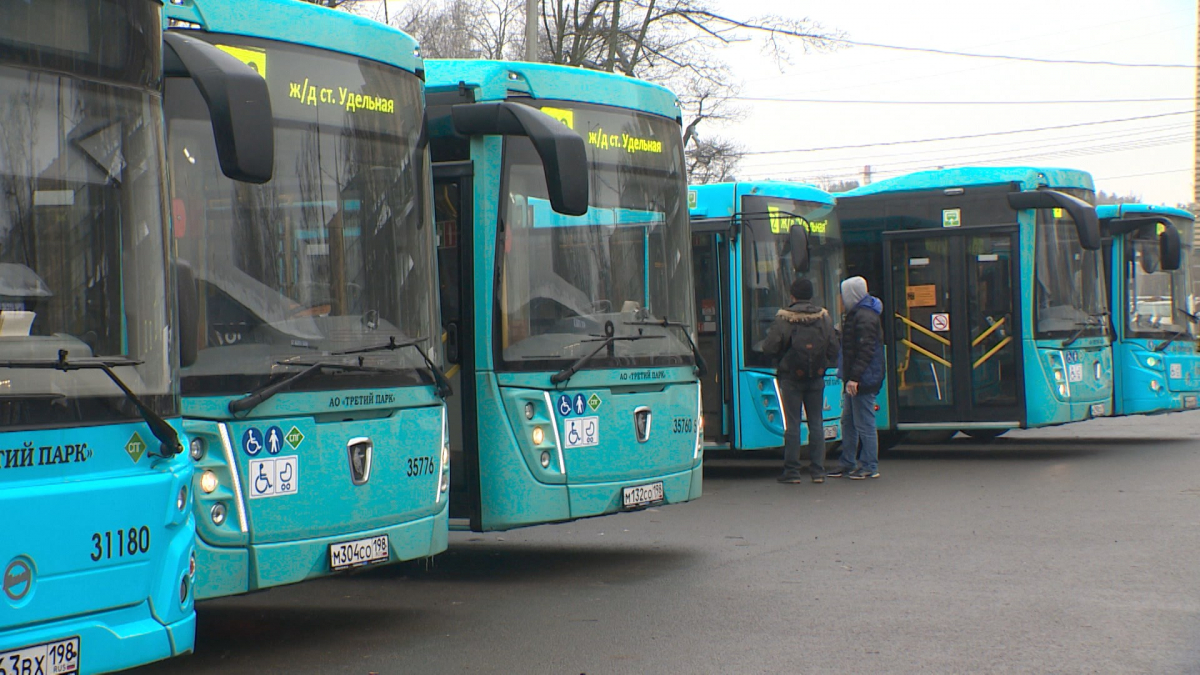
x=358 y=552
x=50 y=658
x=1097 y=410
x=641 y=495
x=831 y=432
x=1189 y=401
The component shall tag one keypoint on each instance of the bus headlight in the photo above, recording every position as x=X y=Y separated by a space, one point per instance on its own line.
x=181 y=498
x=209 y=482
x=218 y=513
x=538 y=436
x=528 y=411
x=1062 y=390
x=1155 y=386
x=1151 y=361
x=545 y=459
x=1058 y=377
x=196 y=449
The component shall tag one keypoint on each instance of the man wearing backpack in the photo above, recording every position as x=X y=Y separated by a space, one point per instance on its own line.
x=803 y=339
x=861 y=369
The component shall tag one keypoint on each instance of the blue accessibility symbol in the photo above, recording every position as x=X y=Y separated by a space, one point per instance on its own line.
x=252 y=441
x=580 y=404
x=274 y=440
x=564 y=405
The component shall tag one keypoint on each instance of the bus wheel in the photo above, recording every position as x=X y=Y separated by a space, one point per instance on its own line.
x=932 y=437
x=833 y=449
x=984 y=435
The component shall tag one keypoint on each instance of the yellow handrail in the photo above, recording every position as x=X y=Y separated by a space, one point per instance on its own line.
x=922 y=350
x=989 y=331
x=923 y=329
x=992 y=351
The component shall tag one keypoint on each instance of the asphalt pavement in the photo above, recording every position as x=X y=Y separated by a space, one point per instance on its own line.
x=1067 y=550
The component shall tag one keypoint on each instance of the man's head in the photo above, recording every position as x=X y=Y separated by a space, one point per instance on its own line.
x=854 y=290
x=802 y=289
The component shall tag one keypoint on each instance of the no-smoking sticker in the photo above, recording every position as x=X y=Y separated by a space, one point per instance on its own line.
x=940 y=323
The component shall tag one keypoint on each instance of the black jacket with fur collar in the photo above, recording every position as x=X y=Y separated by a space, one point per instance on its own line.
x=779 y=335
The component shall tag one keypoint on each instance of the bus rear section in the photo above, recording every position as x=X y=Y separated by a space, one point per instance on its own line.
x=1148 y=252
x=566 y=293
x=314 y=395
x=993 y=297
x=743 y=275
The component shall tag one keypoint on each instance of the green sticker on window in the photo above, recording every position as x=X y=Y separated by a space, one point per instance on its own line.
x=136 y=447
x=951 y=217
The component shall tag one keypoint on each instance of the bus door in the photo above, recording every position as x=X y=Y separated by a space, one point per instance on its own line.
x=951 y=321
x=453 y=209
x=710 y=261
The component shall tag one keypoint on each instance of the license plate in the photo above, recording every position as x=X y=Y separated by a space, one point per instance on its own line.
x=52 y=658
x=831 y=432
x=358 y=552
x=1097 y=410
x=1189 y=401
x=641 y=495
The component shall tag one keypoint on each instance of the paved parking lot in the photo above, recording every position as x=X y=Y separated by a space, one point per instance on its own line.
x=1062 y=550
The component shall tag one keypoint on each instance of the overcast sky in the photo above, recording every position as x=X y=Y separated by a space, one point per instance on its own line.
x=1151 y=157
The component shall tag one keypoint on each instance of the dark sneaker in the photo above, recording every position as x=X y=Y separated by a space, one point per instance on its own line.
x=790 y=478
x=836 y=473
x=863 y=474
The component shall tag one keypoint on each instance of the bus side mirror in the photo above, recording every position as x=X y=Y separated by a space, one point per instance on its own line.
x=563 y=155
x=798 y=246
x=1087 y=225
x=1170 y=248
x=188 y=300
x=239 y=105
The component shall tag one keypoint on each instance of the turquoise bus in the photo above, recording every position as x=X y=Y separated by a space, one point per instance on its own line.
x=566 y=281
x=1147 y=251
x=992 y=283
x=97 y=545
x=743 y=269
x=313 y=394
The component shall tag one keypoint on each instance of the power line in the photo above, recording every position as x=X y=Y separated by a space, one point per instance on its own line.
x=868 y=102
x=927 y=50
x=966 y=136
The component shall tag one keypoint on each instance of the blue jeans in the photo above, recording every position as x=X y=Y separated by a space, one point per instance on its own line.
x=860 y=442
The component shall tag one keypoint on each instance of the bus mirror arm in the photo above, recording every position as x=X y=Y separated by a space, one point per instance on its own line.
x=239 y=105
x=563 y=155
x=1084 y=214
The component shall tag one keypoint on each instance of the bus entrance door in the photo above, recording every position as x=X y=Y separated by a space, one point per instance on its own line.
x=710 y=259
x=952 y=331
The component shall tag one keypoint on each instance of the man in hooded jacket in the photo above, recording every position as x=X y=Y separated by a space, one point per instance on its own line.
x=802 y=390
x=861 y=370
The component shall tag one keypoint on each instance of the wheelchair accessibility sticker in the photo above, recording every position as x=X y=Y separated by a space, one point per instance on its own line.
x=581 y=432
x=274 y=477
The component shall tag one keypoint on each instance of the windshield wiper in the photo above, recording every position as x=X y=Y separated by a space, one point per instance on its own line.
x=1092 y=321
x=271 y=388
x=1177 y=334
x=442 y=384
x=163 y=431
x=701 y=366
x=607 y=341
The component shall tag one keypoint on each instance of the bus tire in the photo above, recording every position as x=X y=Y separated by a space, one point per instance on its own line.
x=890 y=439
x=984 y=435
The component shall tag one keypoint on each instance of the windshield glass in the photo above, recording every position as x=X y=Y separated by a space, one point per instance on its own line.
x=628 y=260
x=1069 y=281
x=1159 y=300
x=767 y=262
x=83 y=264
x=336 y=253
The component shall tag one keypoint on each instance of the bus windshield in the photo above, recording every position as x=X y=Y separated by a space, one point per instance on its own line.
x=336 y=253
x=767 y=268
x=1069 y=281
x=83 y=263
x=624 y=264
x=1159 y=301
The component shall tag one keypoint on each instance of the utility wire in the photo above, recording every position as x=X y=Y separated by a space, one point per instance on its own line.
x=927 y=50
x=966 y=136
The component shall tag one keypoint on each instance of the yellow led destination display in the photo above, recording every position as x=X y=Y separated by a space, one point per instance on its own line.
x=609 y=130
x=781 y=222
x=311 y=94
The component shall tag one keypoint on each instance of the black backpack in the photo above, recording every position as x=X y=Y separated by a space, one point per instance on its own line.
x=809 y=347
